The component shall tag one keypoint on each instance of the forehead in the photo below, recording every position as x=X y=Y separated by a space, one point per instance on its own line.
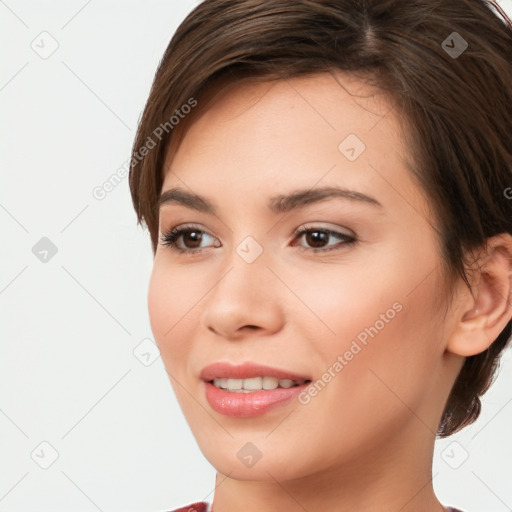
x=325 y=103
x=287 y=132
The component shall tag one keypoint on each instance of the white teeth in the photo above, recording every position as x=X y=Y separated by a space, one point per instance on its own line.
x=270 y=383
x=254 y=384
x=234 y=383
x=221 y=383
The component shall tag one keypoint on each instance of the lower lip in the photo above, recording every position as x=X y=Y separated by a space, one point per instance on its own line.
x=249 y=405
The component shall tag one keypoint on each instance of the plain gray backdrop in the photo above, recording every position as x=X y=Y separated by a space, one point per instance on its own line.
x=88 y=419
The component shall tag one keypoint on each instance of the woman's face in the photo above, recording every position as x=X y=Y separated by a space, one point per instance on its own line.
x=352 y=304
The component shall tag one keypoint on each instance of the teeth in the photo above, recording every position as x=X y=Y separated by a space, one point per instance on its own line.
x=251 y=384
x=254 y=384
x=270 y=383
x=234 y=383
x=286 y=383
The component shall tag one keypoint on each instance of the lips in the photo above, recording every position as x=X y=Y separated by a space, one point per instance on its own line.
x=248 y=403
x=221 y=370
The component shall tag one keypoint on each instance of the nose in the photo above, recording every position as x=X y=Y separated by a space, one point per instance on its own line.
x=247 y=299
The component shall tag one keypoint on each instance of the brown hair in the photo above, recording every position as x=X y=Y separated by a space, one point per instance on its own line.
x=458 y=109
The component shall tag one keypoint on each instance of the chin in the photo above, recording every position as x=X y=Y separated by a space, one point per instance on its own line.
x=258 y=460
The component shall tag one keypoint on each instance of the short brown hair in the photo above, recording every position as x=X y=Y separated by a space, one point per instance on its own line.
x=457 y=106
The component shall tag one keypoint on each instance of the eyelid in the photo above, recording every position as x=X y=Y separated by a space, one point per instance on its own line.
x=336 y=229
x=185 y=226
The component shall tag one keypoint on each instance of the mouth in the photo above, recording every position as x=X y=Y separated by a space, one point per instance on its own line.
x=249 y=390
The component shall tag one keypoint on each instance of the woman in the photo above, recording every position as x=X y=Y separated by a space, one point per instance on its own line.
x=325 y=186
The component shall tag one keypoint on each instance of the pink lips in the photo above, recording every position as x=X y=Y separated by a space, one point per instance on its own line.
x=248 y=405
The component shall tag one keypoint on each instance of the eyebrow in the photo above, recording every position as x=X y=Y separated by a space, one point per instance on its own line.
x=276 y=204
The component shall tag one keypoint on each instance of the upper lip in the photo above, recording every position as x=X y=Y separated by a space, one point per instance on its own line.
x=222 y=370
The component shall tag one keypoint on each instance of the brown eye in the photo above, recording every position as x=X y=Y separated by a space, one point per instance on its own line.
x=192 y=239
x=317 y=240
x=188 y=239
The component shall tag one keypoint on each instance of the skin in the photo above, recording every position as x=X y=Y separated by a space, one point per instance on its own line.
x=365 y=441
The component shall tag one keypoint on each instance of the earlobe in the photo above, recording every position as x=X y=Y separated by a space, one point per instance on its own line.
x=491 y=306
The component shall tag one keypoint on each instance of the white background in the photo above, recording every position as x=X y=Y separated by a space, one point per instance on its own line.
x=71 y=327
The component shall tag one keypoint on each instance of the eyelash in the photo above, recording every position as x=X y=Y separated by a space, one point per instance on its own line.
x=169 y=239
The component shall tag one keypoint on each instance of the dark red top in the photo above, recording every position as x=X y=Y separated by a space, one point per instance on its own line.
x=203 y=506
x=200 y=506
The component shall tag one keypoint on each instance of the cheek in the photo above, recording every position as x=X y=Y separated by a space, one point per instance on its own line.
x=342 y=302
x=172 y=297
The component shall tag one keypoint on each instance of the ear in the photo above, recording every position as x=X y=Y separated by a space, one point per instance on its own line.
x=487 y=310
